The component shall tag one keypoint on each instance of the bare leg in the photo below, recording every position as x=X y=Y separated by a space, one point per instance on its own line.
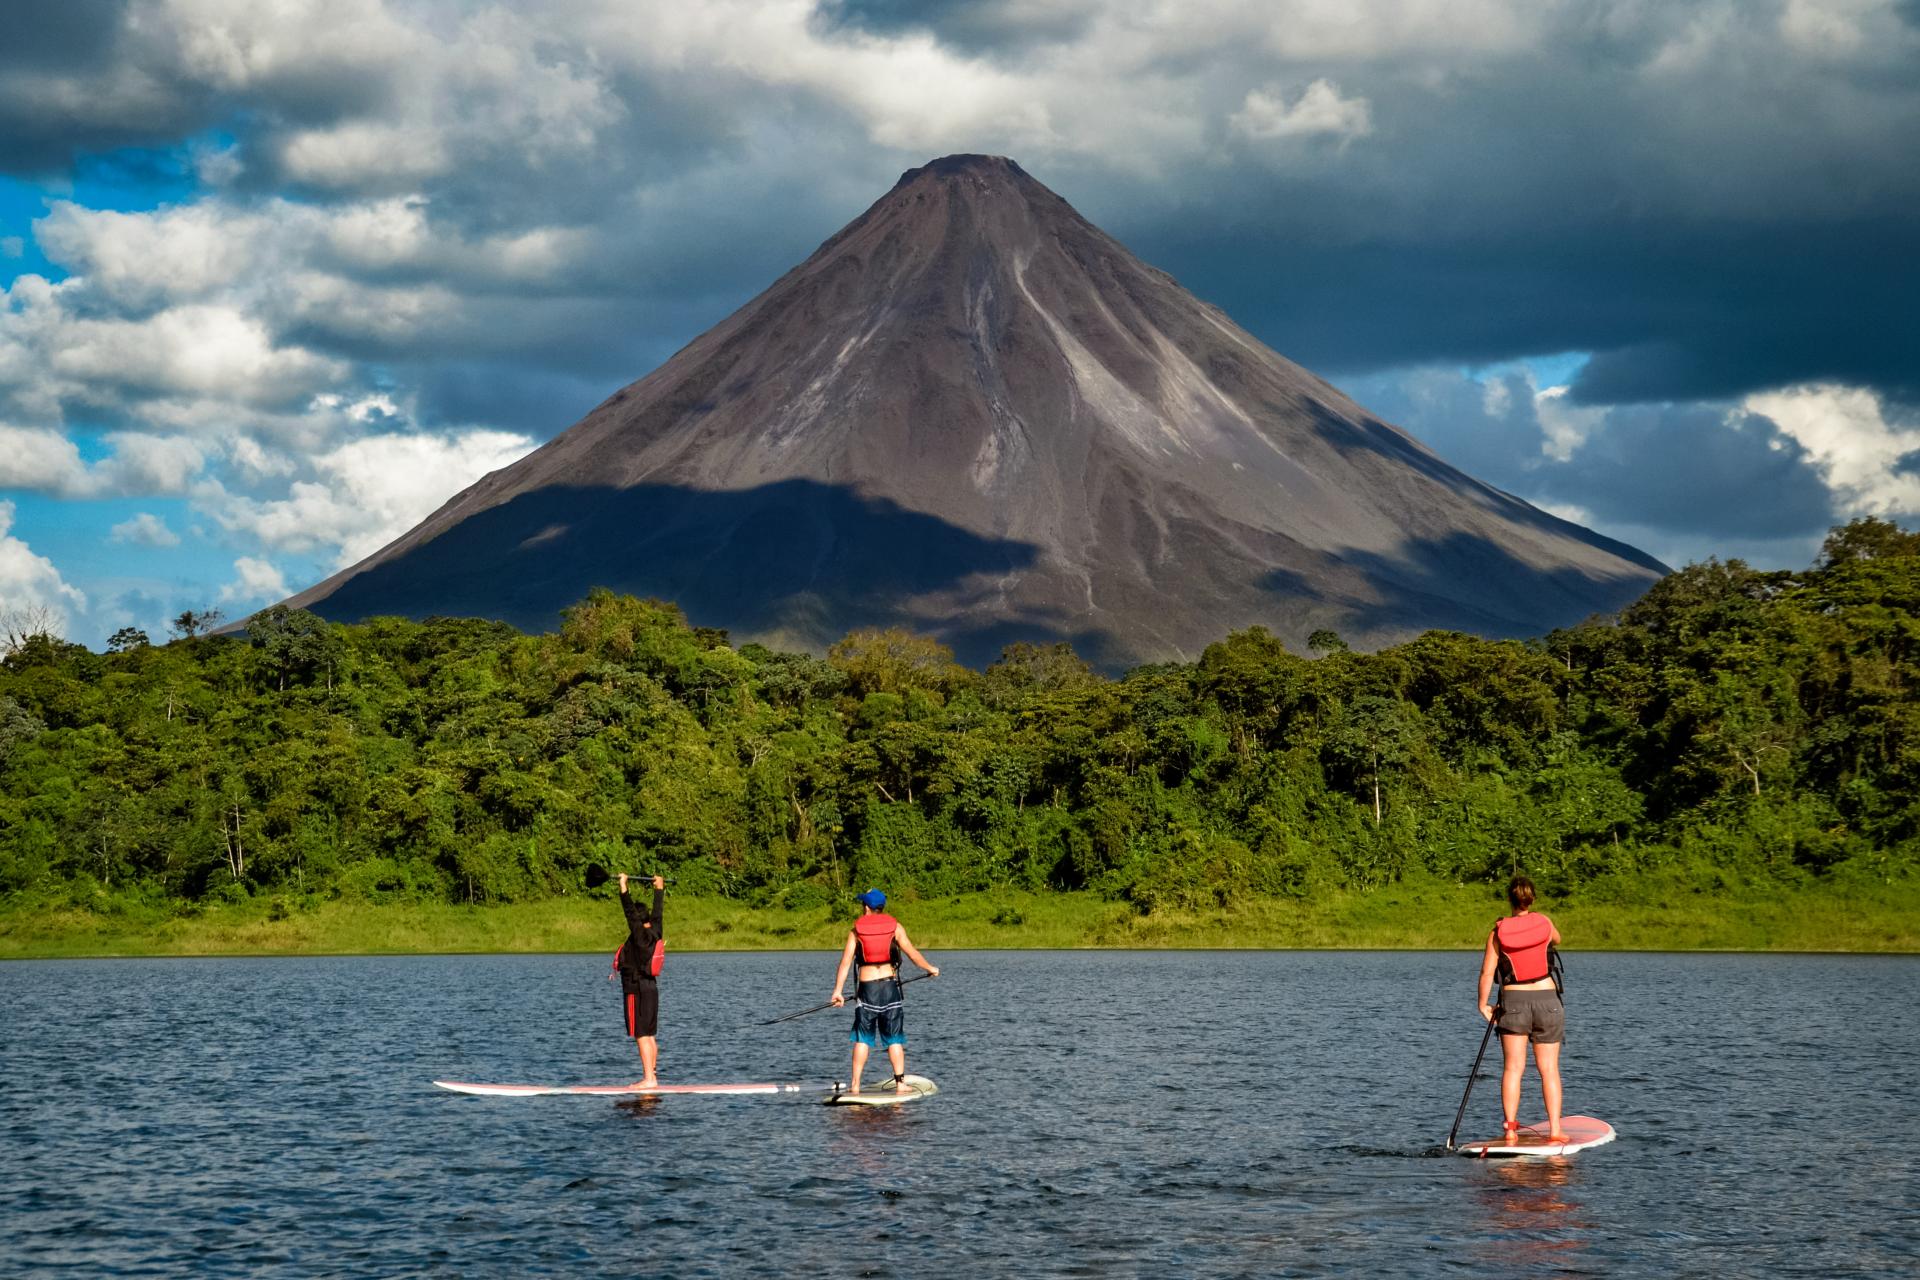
x=649 y=1059
x=1546 y=1058
x=859 y=1065
x=1513 y=1051
x=897 y=1057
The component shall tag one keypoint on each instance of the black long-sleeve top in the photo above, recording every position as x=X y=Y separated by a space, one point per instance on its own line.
x=644 y=928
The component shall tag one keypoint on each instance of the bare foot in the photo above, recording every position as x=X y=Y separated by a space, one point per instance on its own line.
x=649 y=1083
x=1557 y=1136
x=900 y=1085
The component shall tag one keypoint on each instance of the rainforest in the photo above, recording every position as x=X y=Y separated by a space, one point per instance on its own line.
x=1736 y=737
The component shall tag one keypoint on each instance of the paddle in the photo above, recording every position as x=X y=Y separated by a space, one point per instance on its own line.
x=598 y=875
x=828 y=1005
x=1484 y=1039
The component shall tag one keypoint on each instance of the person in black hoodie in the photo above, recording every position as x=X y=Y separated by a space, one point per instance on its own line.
x=640 y=992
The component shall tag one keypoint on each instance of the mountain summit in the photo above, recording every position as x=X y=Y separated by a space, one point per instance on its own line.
x=973 y=413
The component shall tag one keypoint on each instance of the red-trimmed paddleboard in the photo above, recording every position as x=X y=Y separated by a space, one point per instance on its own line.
x=1582 y=1132
x=883 y=1094
x=607 y=1090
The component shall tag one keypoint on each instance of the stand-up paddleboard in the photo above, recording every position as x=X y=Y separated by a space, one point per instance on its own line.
x=607 y=1090
x=883 y=1094
x=1582 y=1132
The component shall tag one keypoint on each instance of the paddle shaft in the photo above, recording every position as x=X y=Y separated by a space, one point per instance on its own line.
x=598 y=875
x=829 y=1004
x=1471 y=1074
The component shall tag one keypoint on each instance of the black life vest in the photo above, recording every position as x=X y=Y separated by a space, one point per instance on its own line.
x=654 y=962
x=875 y=934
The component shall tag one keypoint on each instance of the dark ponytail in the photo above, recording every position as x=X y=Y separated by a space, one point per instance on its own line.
x=1520 y=893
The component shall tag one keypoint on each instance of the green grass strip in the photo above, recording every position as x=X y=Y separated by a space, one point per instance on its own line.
x=1417 y=915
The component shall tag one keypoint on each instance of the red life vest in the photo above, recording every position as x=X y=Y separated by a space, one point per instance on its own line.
x=875 y=933
x=1523 y=941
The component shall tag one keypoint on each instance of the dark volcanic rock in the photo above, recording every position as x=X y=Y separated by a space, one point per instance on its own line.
x=973 y=413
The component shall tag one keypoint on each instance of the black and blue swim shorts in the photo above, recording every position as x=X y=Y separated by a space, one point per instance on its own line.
x=879 y=1014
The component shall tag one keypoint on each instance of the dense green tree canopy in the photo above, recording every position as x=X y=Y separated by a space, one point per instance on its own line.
x=1761 y=722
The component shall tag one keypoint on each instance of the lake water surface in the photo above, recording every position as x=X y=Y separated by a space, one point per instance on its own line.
x=1101 y=1113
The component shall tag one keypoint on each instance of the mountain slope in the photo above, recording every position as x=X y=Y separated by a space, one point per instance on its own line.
x=973 y=413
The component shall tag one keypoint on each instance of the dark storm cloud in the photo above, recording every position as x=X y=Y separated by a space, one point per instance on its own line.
x=1737 y=227
x=1680 y=468
x=58 y=35
x=1697 y=470
x=1703 y=313
x=71 y=83
x=971 y=26
x=456 y=393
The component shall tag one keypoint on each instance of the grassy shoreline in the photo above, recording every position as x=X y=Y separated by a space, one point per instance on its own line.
x=1884 y=918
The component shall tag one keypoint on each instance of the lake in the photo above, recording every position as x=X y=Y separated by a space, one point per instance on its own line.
x=1101 y=1113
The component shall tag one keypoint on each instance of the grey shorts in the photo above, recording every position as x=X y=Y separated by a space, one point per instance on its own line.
x=1537 y=1015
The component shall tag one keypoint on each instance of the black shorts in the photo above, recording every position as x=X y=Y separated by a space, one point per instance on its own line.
x=879 y=1014
x=642 y=1004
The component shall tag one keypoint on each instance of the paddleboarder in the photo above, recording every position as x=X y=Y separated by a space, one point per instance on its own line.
x=879 y=1010
x=1530 y=1010
x=639 y=965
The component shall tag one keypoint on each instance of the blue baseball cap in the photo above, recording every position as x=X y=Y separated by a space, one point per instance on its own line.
x=873 y=898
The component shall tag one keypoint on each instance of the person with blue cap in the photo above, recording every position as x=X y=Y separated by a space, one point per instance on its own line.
x=879 y=1012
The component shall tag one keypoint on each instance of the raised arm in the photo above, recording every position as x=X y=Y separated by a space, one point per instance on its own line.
x=637 y=920
x=1487 y=964
x=840 y=975
x=913 y=952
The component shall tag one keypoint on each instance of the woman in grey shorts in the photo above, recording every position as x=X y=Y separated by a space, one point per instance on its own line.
x=1530 y=1011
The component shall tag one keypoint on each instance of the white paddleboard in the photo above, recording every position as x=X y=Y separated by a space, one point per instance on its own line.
x=607 y=1090
x=1582 y=1132
x=883 y=1093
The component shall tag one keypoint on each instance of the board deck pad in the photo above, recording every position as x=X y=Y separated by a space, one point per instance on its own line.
x=883 y=1094
x=607 y=1090
x=1582 y=1132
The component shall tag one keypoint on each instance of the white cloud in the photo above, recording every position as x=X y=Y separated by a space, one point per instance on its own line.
x=1564 y=425
x=149 y=464
x=1319 y=111
x=140 y=260
x=366 y=492
x=1846 y=432
x=147 y=530
x=254 y=581
x=193 y=350
x=27 y=579
x=46 y=461
x=41 y=461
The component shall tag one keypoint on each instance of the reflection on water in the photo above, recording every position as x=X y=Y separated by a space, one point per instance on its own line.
x=1100 y=1114
x=1530 y=1213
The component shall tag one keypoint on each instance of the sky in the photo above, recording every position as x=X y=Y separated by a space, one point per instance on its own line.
x=278 y=277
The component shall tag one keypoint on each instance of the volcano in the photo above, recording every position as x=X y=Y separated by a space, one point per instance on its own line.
x=974 y=414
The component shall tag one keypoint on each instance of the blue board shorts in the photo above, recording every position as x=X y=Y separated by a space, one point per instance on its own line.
x=879 y=1014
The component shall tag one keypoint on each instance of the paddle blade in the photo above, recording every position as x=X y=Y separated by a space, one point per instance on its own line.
x=596 y=875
